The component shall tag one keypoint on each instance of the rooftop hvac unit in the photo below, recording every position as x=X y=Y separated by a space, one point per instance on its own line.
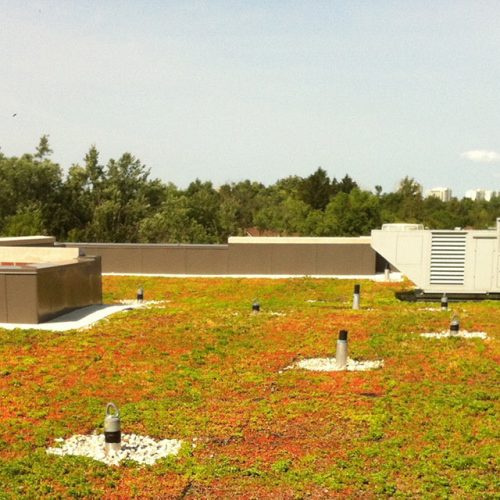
x=437 y=261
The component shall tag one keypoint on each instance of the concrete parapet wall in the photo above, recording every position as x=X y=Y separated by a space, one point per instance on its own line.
x=36 y=255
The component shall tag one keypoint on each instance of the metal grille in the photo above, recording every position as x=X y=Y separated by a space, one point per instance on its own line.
x=447 y=258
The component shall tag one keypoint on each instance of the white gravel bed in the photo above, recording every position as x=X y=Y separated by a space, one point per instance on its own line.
x=347 y=305
x=463 y=334
x=141 y=449
x=434 y=309
x=145 y=303
x=330 y=365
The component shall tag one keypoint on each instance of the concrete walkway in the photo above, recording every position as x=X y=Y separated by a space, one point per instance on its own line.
x=80 y=318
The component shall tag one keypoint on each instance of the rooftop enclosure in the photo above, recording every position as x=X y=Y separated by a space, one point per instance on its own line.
x=241 y=256
x=455 y=261
x=38 y=282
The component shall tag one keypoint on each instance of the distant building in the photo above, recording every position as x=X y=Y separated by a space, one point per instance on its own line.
x=444 y=194
x=481 y=194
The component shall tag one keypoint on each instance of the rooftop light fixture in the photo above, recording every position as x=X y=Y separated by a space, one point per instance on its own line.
x=341 y=353
x=355 y=300
x=454 y=326
x=444 y=302
x=112 y=429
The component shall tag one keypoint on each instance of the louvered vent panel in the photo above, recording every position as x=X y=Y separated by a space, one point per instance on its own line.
x=447 y=258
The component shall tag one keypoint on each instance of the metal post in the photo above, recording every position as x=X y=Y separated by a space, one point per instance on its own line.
x=454 y=326
x=355 y=300
x=140 y=294
x=387 y=273
x=341 y=354
x=112 y=429
x=444 y=302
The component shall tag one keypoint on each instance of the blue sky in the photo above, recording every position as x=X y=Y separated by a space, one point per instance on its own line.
x=230 y=90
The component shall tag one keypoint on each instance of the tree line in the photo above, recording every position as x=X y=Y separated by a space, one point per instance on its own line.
x=119 y=202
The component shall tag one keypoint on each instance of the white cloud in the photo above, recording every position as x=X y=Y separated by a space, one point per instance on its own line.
x=481 y=156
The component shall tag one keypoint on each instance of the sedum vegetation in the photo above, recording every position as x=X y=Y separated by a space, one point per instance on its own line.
x=119 y=202
x=201 y=367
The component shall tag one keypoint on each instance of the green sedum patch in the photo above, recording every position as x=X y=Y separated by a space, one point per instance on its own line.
x=202 y=368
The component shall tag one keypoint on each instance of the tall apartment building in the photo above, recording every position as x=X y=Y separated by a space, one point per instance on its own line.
x=481 y=194
x=444 y=194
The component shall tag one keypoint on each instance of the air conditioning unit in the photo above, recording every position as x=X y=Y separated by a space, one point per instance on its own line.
x=437 y=261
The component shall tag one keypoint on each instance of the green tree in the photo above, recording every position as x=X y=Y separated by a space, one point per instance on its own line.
x=353 y=214
x=27 y=221
x=290 y=217
x=43 y=150
x=346 y=185
x=246 y=198
x=125 y=197
x=316 y=190
x=404 y=205
x=30 y=181
x=172 y=223
x=203 y=207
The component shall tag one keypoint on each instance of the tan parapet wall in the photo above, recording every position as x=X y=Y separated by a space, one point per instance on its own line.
x=299 y=240
x=44 y=241
x=242 y=256
x=36 y=255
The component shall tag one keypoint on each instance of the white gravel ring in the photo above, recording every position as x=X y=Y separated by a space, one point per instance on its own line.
x=462 y=334
x=141 y=449
x=330 y=365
